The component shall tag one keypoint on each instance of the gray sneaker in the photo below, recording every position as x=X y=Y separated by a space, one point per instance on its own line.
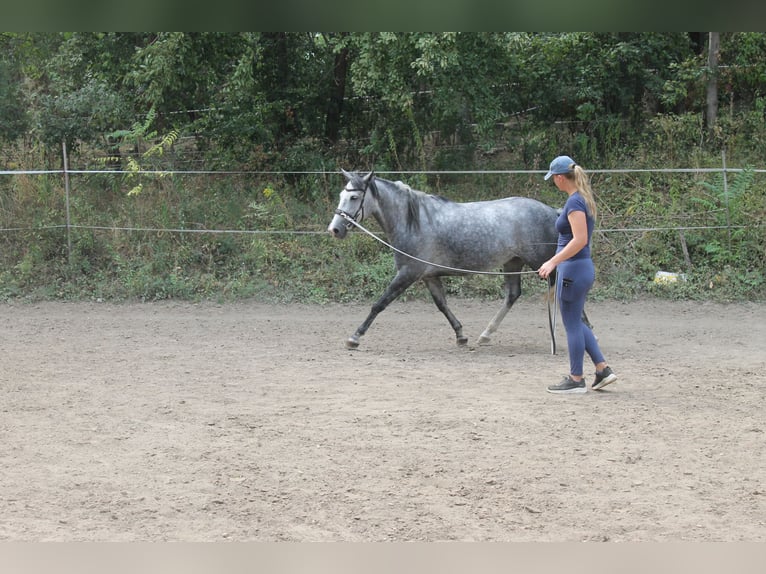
x=604 y=378
x=568 y=386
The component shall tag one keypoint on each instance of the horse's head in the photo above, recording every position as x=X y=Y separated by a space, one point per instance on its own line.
x=351 y=204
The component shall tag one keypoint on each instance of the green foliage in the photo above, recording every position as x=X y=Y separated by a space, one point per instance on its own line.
x=83 y=114
x=13 y=116
x=290 y=108
x=139 y=133
x=730 y=200
x=744 y=71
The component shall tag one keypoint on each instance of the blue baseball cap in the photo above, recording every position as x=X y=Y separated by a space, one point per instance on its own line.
x=562 y=164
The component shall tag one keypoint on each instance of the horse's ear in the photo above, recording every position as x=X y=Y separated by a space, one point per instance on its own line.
x=347 y=175
x=369 y=176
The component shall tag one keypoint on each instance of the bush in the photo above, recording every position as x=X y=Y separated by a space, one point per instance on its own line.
x=720 y=246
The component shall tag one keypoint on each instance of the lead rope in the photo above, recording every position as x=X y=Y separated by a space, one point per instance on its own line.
x=351 y=220
x=551 y=316
x=552 y=301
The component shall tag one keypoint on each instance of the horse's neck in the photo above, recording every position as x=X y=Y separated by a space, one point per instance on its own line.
x=391 y=211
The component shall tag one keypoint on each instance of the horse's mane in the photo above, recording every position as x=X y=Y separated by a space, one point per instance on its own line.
x=416 y=200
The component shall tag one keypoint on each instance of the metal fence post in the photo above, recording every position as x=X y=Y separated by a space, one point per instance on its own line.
x=726 y=195
x=66 y=193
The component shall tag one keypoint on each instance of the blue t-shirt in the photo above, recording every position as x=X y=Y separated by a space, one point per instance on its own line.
x=575 y=202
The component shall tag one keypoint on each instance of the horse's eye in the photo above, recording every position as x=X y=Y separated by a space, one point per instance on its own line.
x=354 y=197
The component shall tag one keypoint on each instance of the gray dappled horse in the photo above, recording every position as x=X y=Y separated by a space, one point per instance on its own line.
x=476 y=236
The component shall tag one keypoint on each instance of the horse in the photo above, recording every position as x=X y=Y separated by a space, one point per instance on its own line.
x=434 y=237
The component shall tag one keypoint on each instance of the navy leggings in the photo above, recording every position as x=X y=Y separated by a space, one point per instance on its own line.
x=575 y=277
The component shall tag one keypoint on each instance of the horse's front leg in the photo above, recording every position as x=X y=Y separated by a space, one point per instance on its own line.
x=512 y=292
x=398 y=285
x=436 y=289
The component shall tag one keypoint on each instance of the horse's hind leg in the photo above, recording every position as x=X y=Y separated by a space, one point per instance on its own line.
x=436 y=289
x=398 y=285
x=512 y=292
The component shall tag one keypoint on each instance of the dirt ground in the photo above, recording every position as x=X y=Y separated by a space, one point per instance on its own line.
x=205 y=422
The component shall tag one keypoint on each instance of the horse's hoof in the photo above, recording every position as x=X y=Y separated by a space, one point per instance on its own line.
x=484 y=340
x=462 y=341
x=352 y=343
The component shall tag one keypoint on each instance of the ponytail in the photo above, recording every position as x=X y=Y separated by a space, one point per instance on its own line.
x=583 y=186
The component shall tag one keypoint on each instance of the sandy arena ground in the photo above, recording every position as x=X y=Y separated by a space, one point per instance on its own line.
x=184 y=422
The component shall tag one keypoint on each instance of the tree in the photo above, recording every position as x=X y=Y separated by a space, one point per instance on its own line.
x=13 y=117
x=337 y=89
x=287 y=98
x=712 y=80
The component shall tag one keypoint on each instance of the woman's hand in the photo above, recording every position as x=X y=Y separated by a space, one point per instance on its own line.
x=546 y=269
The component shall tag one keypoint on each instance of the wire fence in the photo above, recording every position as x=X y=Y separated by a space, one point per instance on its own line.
x=69 y=226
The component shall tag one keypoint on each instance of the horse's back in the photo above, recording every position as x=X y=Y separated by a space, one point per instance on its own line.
x=487 y=234
x=516 y=207
x=517 y=216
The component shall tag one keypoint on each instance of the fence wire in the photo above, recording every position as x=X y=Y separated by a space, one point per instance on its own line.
x=65 y=172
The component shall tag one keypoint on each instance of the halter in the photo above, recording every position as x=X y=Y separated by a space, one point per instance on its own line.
x=351 y=220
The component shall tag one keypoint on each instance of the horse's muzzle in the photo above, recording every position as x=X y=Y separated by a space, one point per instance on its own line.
x=340 y=224
x=338 y=227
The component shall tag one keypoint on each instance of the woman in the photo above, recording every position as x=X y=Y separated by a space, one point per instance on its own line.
x=575 y=274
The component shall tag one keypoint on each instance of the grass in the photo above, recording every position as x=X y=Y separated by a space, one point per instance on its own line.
x=138 y=258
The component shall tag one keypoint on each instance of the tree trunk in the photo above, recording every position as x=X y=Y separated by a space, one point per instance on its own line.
x=337 y=93
x=712 y=79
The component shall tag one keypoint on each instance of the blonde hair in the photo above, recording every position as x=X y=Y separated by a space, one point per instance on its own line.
x=582 y=181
